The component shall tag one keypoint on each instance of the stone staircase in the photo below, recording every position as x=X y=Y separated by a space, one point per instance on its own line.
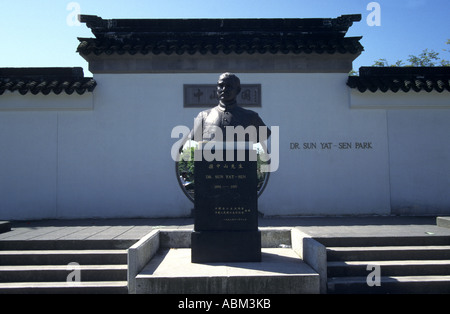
x=47 y=267
x=405 y=264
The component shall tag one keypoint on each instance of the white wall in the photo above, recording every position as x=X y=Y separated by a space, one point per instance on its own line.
x=419 y=145
x=115 y=161
x=314 y=109
x=28 y=156
x=419 y=148
x=122 y=151
x=29 y=152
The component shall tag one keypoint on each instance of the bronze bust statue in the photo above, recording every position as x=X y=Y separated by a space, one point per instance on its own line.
x=227 y=113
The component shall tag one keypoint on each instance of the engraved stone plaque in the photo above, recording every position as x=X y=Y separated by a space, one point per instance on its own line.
x=226 y=195
x=204 y=95
x=226 y=211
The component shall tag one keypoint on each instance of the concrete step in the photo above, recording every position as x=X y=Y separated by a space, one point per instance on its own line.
x=391 y=284
x=42 y=266
x=380 y=253
x=63 y=257
x=384 y=241
x=389 y=268
x=22 y=245
x=416 y=264
x=103 y=287
x=49 y=273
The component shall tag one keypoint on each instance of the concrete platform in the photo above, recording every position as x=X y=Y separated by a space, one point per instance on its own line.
x=135 y=229
x=281 y=271
x=175 y=233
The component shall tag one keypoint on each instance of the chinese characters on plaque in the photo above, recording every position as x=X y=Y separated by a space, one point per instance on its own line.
x=197 y=96
x=226 y=211
x=227 y=195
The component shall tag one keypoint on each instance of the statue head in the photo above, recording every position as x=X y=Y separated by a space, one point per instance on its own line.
x=228 y=87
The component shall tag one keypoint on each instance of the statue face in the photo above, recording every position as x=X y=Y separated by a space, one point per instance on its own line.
x=227 y=90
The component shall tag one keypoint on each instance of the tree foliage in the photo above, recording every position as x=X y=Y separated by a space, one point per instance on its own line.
x=428 y=58
x=186 y=164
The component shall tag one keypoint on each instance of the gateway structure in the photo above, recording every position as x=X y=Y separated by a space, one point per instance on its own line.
x=83 y=147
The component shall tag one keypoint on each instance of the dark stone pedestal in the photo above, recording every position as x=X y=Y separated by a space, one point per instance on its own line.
x=226 y=246
x=226 y=208
x=5 y=226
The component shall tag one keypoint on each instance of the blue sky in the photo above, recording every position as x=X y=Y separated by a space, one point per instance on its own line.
x=40 y=33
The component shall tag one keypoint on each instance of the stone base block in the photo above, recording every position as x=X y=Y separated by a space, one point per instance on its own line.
x=5 y=226
x=226 y=246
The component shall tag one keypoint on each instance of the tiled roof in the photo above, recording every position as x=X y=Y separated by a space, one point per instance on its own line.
x=401 y=78
x=45 y=81
x=180 y=36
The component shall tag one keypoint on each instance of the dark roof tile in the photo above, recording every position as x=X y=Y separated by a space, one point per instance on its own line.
x=401 y=78
x=190 y=36
x=45 y=81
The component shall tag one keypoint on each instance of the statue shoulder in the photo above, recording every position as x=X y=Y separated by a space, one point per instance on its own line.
x=249 y=113
x=204 y=113
x=246 y=111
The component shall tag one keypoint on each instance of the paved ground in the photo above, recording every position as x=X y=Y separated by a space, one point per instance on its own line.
x=105 y=229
